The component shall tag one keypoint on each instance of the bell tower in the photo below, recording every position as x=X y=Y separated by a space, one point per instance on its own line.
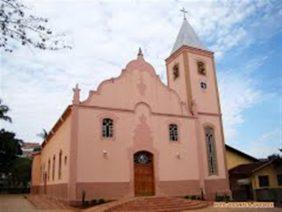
x=191 y=73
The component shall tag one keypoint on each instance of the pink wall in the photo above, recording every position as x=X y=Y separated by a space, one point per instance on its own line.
x=141 y=113
x=59 y=141
x=142 y=108
x=206 y=99
x=35 y=172
x=206 y=102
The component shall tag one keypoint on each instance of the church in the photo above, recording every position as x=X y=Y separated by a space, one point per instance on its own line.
x=136 y=136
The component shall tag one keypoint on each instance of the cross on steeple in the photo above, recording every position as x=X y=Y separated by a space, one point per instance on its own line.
x=184 y=12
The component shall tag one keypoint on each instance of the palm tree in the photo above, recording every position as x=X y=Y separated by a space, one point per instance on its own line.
x=3 y=110
x=43 y=134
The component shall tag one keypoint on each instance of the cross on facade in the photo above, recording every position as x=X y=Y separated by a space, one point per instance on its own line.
x=184 y=12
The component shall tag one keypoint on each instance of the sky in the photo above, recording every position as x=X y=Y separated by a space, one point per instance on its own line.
x=246 y=37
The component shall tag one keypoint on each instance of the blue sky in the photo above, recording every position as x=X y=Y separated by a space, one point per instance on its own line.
x=246 y=37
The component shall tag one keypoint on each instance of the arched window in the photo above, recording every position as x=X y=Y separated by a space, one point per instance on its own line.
x=53 y=167
x=173 y=132
x=211 y=151
x=60 y=165
x=66 y=159
x=48 y=171
x=201 y=68
x=107 y=128
x=175 y=71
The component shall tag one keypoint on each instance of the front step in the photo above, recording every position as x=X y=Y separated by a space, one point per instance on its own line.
x=159 y=204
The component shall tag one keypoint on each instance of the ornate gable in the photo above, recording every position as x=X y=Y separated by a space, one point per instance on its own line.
x=137 y=83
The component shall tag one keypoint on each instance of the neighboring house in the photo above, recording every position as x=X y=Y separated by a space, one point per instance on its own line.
x=234 y=157
x=29 y=149
x=136 y=136
x=253 y=179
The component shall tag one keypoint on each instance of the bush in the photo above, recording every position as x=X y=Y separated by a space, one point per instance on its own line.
x=101 y=201
x=94 y=202
x=222 y=198
x=193 y=197
x=226 y=198
x=86 y=203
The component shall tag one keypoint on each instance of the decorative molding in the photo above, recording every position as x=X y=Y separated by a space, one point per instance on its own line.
x=191 y=50
x=140 y=65
x=132 y=111
x=210 y=114
x=141 y=86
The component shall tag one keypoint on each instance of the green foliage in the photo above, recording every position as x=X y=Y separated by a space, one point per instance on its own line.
x=37 y=149
x=43 y=134
x=94 y=202
x=101 y=201
x=193 y=197
x=20 y=172
x=3 y=110
x=222 y=198
x=16 y=170
x=10 y=148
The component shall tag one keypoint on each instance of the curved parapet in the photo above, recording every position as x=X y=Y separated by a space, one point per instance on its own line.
x=138 y=82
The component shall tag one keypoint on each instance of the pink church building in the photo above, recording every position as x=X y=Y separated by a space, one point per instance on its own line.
x=136 y=136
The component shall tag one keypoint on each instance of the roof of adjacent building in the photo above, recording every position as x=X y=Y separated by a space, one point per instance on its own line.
x=246 y=170
x=187 y=37
x=27 y=145
x=232 y=149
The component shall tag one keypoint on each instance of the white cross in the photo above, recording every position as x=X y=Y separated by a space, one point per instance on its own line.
x=184 y=12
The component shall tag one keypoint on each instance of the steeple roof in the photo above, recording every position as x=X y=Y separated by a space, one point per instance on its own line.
x=188 y=37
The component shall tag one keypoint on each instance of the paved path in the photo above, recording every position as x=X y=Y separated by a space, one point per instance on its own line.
x=17 y=203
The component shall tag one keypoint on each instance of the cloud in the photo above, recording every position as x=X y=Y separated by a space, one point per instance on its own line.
x=267 y=144
x=238 y=93
x=37 y=85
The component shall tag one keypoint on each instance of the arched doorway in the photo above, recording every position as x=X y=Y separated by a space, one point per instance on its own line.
x=144 y=184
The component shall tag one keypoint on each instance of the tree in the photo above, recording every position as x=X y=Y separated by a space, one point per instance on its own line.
x=10 y=149
x=10 y=146
x=18 y=26
x=37 y=149
x=20 y=172
x=273 y=157
x=3 y=110
x=43 y=134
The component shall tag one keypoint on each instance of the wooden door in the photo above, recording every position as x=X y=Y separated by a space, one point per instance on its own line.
x=143 y=174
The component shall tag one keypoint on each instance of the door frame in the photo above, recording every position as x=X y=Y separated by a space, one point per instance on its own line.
x=153 y=172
